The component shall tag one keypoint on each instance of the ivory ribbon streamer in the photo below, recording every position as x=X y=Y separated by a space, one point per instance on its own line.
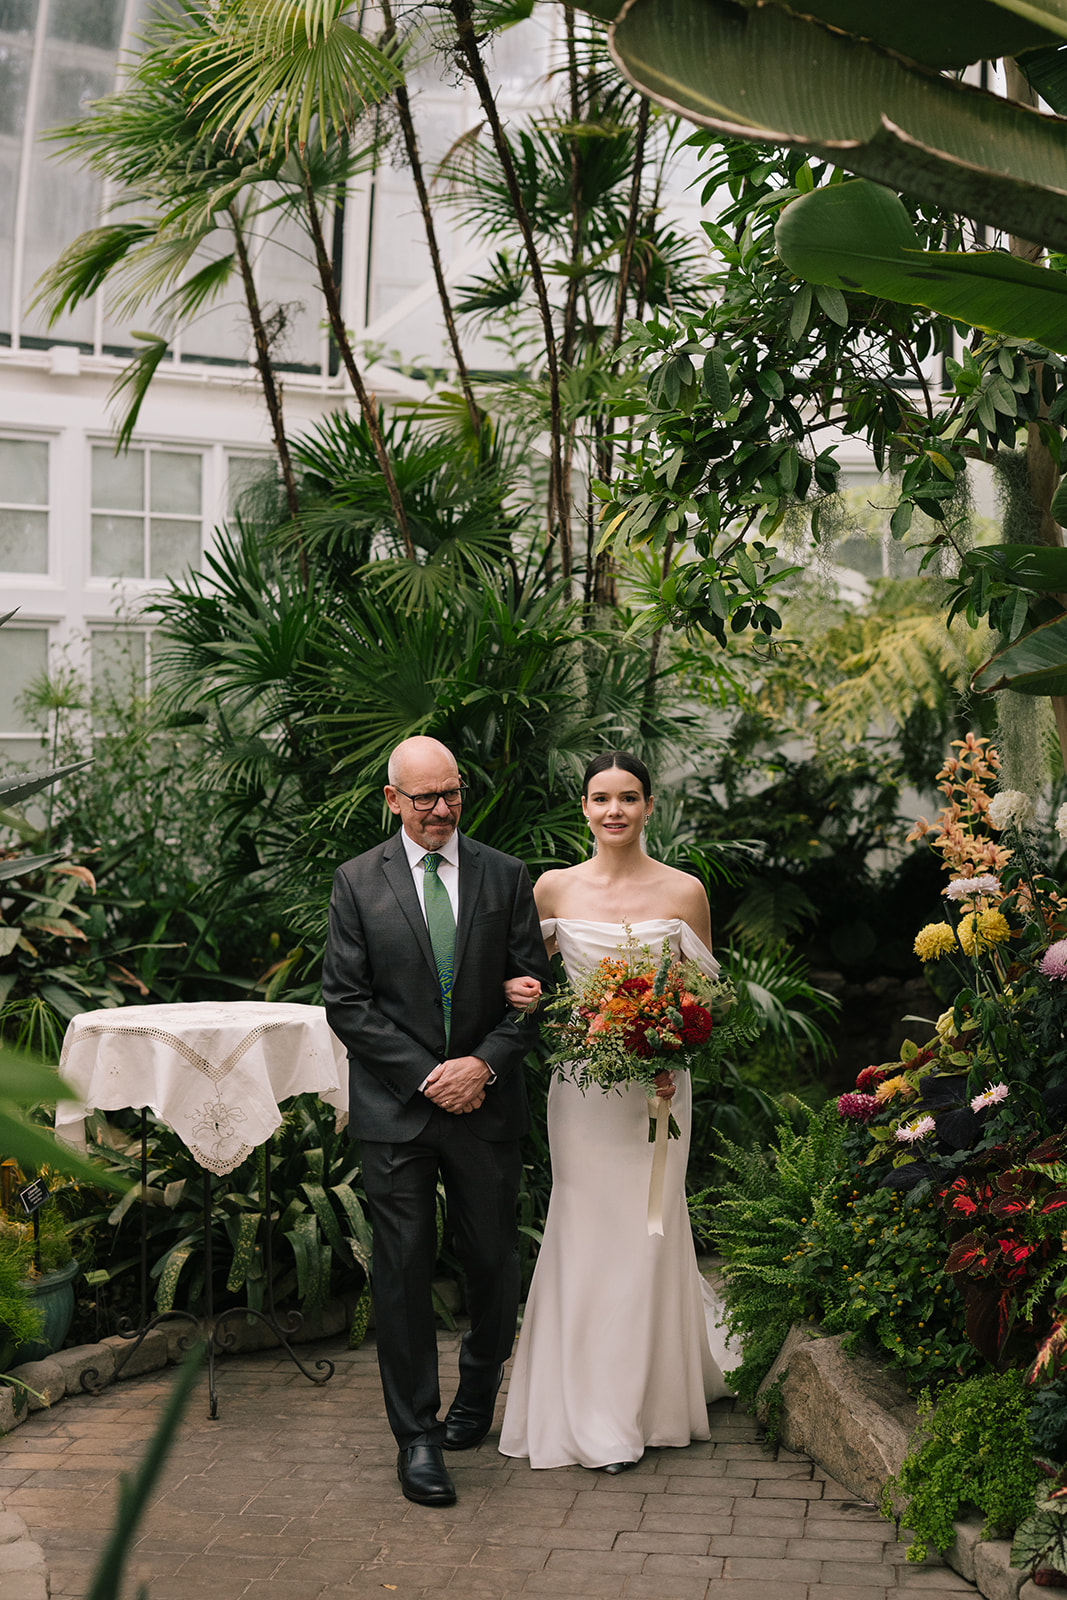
x=660 y=1112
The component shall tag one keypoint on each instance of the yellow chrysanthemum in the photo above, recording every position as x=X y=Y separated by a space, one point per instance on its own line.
x=983 y=931
x=936 y=939
x=891 y=1087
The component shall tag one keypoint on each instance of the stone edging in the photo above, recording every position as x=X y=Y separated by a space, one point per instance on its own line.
x=854 y=1416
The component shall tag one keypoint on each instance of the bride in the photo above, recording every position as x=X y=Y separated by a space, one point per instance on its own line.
x=620 y=1346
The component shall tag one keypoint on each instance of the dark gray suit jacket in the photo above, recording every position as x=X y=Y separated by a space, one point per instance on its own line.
x=383 y=998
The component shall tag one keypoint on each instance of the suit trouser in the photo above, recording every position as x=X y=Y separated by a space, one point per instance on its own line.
x=481 y=1182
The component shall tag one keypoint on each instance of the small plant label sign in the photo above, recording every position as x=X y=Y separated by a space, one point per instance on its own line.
x=33 y=1196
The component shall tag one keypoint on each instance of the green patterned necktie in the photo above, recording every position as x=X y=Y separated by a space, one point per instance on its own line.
x=441 y=925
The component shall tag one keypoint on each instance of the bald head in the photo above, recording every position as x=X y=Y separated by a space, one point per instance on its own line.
x=414 y=754
x=425 y=767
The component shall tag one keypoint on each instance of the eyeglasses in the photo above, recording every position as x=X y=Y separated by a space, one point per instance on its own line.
x=427 y=802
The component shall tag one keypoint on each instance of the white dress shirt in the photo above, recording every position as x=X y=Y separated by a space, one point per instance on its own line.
x=447 y=868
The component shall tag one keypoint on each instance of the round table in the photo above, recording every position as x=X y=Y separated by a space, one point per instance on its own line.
x=214 y=1072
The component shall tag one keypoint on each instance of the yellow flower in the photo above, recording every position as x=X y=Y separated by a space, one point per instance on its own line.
x=893 y=1086
x=946 y=1026
x=983 y=931
x=936 y=939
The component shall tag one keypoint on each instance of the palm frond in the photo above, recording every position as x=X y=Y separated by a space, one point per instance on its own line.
x=277 y=65
x=131 y=386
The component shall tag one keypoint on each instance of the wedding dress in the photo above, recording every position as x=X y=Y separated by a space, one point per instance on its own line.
x=620 y=1346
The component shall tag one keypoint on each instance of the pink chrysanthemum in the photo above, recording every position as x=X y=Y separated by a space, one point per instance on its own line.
x=917 y=1130
x=964 y=888
x=993 y=1095
x=857 y=1107
x=1054 y=961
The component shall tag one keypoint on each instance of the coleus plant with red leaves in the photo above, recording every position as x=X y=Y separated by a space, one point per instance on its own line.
x=1006 y=1215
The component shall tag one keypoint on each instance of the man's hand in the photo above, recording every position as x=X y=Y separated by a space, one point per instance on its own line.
x=458 y=1085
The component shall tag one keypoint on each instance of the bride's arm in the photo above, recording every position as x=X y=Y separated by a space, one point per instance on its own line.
x=695 y=910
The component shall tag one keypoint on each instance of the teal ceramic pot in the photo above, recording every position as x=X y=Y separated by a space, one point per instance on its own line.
x=53 y=1294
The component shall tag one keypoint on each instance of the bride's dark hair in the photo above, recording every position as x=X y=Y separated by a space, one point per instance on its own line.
x=625 y=763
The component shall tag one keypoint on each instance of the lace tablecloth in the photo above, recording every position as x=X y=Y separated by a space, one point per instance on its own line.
x=215 y=1072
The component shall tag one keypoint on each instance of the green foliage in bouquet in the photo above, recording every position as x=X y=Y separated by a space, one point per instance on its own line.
x=973 y=1447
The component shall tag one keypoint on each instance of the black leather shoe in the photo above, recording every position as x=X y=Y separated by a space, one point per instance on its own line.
x=470 y=1419
x=423 y=1476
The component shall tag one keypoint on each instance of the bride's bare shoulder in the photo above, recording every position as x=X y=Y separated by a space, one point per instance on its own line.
x=685 y=897
x=553 y=889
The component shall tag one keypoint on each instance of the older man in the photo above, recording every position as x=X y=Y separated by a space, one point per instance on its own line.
x=424 y=930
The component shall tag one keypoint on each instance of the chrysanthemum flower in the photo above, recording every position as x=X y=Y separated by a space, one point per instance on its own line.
x=857 y=1107
x=916 y=1130
x=869 y=1077
x=982 y=930
x=935 y=940
x=1054 y=961
x=891 y=1088
x=1011 y=808
x=965 y=888
x=993 y=1095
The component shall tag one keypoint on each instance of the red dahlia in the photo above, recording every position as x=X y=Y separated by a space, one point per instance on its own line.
x=696 y=1024
x=870 y=1076
x=635 y=986
x=635 y=1041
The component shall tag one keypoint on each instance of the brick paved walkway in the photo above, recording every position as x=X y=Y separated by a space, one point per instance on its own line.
x=292 y=1495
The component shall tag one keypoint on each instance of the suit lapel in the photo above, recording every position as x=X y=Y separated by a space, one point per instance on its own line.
x=398 y=875
x=471 y=871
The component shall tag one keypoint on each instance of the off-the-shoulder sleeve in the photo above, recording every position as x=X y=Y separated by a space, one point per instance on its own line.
x=548 y=928
x=694 y=949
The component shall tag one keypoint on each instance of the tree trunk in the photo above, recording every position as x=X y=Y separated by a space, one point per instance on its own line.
x=558 y=510
x=411 y=145
x=1042 y=471
x=367 y=405
x=265 y=367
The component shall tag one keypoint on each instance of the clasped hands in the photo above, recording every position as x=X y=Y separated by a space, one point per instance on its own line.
x=522 y=993
x=458 y=1085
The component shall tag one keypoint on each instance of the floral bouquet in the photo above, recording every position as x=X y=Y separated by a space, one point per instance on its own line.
x=634 y=1016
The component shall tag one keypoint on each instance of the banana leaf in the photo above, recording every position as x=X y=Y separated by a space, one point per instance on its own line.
x=1036 y=663
x=953 y=33
x=763 y=74
x=857 y=236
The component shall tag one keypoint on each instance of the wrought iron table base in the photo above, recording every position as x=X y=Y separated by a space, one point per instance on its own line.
x=208 y=1326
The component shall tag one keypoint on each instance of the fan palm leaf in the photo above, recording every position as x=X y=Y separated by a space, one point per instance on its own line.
x=277 y=65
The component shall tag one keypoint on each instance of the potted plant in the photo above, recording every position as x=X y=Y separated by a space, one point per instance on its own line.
x=44 y=1271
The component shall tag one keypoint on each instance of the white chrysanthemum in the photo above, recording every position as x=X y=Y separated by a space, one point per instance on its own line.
x=1011 y=808
x=917 y=1130
x=965 y=888
x=994 y=1094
